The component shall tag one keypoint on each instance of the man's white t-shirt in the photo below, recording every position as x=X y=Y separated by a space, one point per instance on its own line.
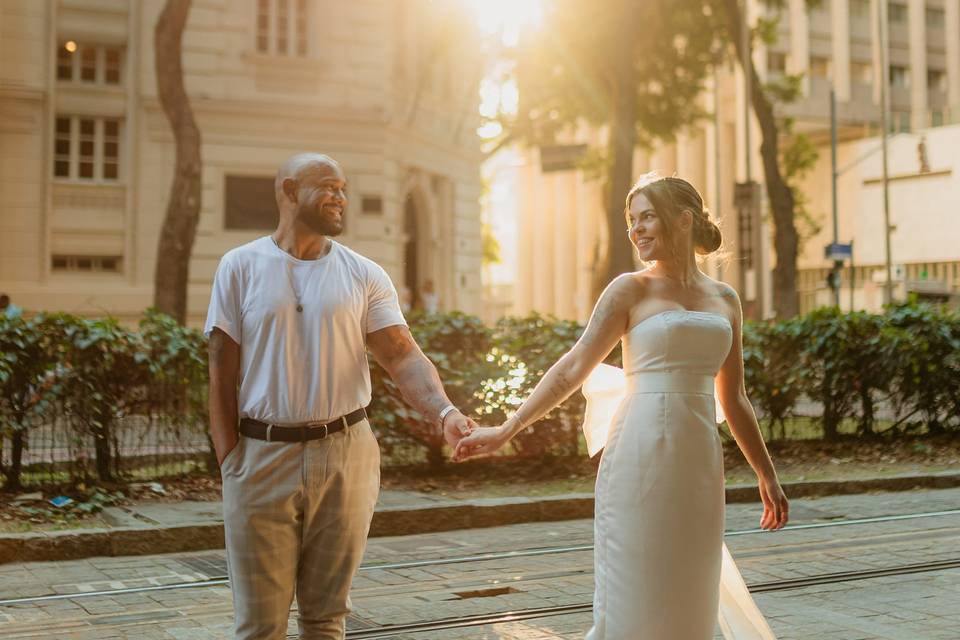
x=304 y=366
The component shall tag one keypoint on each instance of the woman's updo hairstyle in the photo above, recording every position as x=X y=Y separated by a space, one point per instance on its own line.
x=670 y=196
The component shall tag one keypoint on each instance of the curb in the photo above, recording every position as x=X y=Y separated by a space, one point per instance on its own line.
x=400 y=521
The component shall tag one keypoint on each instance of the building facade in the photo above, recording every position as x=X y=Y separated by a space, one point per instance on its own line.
x=836 y=44
x=87 y=155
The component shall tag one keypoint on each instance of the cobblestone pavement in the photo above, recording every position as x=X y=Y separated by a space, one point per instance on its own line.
x=912 y=607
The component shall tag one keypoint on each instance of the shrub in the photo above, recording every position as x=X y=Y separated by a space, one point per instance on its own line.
x=773 y=380
x=457 y=344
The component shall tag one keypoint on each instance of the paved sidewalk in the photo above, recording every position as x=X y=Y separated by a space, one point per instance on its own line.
x=153 y=527
x=910 y=607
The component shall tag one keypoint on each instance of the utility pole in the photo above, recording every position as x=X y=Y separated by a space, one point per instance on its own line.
x=884 y=119
x=837 y=264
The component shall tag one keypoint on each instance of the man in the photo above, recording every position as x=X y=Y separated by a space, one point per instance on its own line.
x=290 y=318
x=7 y=307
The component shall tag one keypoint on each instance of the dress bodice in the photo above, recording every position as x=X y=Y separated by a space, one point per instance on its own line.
x=678 y=340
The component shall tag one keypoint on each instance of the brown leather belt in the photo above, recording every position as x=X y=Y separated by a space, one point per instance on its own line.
x=300 y=433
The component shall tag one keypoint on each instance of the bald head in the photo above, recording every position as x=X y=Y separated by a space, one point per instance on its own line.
x=311 y=189
x=297 y=166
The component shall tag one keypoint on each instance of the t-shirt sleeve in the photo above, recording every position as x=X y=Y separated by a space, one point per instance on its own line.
x=224 y=310
x=383 y=304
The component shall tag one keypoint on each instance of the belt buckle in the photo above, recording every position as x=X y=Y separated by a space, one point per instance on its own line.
x=269 y=429
x=326 y=431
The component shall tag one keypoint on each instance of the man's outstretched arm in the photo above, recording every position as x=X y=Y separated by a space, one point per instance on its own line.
x=416 y=377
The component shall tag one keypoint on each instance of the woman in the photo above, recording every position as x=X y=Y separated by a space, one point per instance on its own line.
x=659 y=496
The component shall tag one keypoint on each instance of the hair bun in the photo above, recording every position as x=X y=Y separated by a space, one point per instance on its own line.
x=707 y=237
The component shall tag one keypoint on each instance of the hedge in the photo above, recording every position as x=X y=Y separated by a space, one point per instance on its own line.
x=89 y=398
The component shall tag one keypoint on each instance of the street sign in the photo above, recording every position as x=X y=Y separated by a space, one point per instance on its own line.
x=838 y=251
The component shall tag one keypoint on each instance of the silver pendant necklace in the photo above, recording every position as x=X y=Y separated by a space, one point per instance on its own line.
x=293 y=289
x=288 y=270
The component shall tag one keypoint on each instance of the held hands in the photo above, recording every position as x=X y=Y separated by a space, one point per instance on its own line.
x=483 y=440
x=456 y=426
x=776 y=510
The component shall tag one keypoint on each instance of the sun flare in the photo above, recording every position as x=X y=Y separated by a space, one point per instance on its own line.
x=506 y=18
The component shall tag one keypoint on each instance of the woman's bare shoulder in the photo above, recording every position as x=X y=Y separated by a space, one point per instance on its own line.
x=632 y=287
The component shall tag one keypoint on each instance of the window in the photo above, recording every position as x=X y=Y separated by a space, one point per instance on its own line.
x=861 y=72
x=61 y=148
x=111 y=65
x=65 y=54
x=935 y=18
x=899 y=77
x=86 y=149
x=776 y=62
x=899 y=122
x=372 y=205
x=282 y=27
x=249 y=203
x=105 y=264
x=819 y=67
x=860 y=9
x=936 y=80
x=896 y=13
x=88 y=143
x=93 y=64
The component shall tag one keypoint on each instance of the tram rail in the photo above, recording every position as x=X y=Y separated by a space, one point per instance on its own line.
x=500 y=555
x=391 y=631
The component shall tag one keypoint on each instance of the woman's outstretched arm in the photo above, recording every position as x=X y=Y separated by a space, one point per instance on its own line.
x=732 y=393
x=607 y=324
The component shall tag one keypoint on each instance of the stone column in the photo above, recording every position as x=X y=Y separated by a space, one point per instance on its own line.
x=917 y=22
x=840 y=25
x=799 y=61
x=565 y=243
x=523 y=292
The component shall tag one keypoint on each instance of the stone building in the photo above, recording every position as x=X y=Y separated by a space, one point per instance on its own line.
x=834 y=44
x=86 y=154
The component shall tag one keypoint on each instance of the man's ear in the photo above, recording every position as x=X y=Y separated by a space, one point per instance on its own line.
x=289 y=186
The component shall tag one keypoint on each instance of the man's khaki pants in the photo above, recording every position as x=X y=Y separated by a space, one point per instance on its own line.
x=296 y=517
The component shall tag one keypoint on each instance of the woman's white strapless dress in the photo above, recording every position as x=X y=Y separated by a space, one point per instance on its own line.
x=659 y=555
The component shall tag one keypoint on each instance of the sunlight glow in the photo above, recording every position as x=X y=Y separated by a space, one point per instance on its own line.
x=500 y=23
x=506 y=17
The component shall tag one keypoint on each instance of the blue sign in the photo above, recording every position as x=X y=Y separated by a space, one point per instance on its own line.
x=839 y=251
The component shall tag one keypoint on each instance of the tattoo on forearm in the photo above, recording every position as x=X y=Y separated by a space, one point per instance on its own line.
x=560 y=388
x=421 y=387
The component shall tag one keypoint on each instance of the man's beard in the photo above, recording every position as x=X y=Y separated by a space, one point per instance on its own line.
x=318 y=224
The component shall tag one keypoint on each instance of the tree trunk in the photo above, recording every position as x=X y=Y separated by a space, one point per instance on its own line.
x=12 y=472
x=785 y=241
x=867 y=420
x=103 y=450
x=623 y=138
x=831 y=418
x=183 y=206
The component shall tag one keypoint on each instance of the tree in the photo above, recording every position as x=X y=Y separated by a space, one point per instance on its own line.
x=183 y=207
x=635 y=67
x=782 y=201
